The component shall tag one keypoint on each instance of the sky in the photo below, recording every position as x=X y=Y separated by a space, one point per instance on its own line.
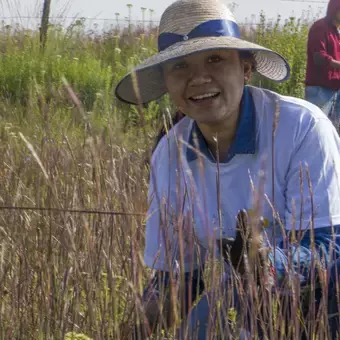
x=100 y=9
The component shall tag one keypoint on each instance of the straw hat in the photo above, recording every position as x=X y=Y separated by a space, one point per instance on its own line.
x=190 y=26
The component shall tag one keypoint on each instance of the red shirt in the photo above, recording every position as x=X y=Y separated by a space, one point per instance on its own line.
x=324 y=46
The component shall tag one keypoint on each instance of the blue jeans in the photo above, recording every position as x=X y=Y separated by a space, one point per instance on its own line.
x=327 y=100
x=198 y=319
x=202 y=319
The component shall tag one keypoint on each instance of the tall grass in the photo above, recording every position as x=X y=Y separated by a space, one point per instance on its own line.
x=65 y=273
x=93 y=64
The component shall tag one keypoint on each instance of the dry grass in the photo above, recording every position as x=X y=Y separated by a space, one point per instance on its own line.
x=63 y=272
x=67 y=272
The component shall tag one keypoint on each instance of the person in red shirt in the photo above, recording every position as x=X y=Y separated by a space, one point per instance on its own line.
x=323 y=63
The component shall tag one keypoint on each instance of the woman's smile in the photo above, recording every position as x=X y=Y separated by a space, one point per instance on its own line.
x=205 y=100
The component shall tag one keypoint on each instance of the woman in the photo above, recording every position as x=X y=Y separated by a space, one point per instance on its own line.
x=239 y=152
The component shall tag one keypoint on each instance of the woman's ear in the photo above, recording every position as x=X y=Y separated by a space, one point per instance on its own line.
x=247 y=71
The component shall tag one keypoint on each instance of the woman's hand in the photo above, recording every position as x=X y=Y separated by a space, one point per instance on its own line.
x=248 y=252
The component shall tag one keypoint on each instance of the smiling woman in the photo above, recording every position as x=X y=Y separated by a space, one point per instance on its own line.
x=208 y=87
x=234 y=178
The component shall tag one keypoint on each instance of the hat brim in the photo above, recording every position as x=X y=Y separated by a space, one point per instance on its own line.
x=147 y=77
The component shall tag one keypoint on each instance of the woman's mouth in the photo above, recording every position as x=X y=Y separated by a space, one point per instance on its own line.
x=209 y=96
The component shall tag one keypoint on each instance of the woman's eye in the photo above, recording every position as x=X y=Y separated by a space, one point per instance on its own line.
x=214 y=59
x=179 y=66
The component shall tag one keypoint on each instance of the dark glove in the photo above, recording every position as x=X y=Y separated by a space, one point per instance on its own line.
x=248 y=252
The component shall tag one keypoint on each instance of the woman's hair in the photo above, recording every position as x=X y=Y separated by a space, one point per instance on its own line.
x=174 y=120
x=248 y=56
x=244 y=55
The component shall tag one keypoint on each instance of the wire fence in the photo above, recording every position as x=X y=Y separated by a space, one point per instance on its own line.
x=114 y=23
x=70 y=211
x=93 y=24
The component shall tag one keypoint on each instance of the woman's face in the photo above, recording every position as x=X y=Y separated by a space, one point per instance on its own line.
x=207 y=86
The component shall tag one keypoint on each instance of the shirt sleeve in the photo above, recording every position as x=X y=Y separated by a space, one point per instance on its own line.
x=313 y=178
x=312 y=205
x=317 y=44
x=168 y=241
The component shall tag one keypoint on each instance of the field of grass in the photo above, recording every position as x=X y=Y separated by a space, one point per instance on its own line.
x=66 y=143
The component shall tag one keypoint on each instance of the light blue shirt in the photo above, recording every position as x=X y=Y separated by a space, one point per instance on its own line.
x=284 y=146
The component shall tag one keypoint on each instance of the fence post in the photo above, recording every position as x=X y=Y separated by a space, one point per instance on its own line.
x=44 y=23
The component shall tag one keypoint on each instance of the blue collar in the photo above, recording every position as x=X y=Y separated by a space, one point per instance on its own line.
x=245 y=138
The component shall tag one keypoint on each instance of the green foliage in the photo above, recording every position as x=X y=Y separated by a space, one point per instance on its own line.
x=289 y=40
x=93 y=64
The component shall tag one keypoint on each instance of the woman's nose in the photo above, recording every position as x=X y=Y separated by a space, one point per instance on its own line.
x=199 y=76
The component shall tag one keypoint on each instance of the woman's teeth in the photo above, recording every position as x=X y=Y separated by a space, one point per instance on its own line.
x=205 y=96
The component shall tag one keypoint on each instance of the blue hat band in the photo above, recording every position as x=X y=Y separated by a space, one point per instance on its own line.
x=211 y=28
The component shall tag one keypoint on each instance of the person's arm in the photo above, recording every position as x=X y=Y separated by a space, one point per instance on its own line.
x=162 y=242
x=335 y=63
x=304 y=256
x=312 y=202
x=318 y=45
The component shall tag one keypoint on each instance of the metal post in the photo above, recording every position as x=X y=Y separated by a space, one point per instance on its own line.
x=44 y=23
